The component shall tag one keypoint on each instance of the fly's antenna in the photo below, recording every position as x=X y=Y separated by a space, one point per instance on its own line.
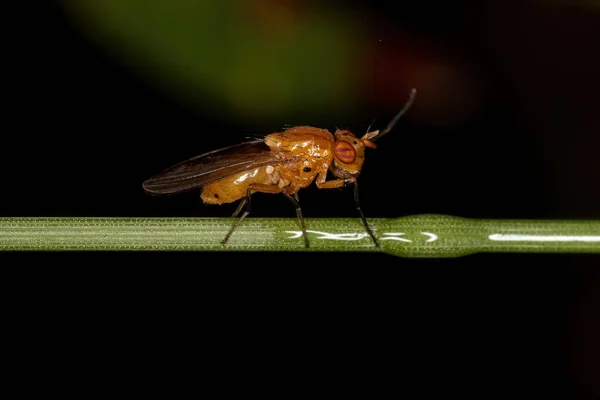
x=409 y=102
x=371 y=124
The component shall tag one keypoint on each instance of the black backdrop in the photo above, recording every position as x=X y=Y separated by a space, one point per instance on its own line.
x=497 y=323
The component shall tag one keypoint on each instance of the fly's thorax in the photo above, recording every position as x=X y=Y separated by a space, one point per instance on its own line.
x=302 y=171
x=348 y=155
x=307 y=151
x=301 y=139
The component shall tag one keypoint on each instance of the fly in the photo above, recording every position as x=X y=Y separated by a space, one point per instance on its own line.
x=282 y=162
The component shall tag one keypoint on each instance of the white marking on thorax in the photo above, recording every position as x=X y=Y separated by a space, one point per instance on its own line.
x=272 y=173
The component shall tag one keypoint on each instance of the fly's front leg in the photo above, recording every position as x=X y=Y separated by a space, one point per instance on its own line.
x=337 y=183
x=332 y=184
x=257 y=187
x=362 y=216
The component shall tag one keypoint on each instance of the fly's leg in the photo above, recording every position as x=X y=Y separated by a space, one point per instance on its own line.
x=362 y=216
x=247 y=202
x=296 y=202
x=241 y=206
x=338 y=183
x=240 y=219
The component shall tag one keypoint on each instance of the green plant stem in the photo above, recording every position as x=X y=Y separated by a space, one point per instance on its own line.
x=412 y=236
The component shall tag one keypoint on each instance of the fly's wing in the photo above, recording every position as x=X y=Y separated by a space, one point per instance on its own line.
x=209 y=167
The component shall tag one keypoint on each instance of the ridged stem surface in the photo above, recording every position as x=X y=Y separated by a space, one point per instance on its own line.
x=431 y=236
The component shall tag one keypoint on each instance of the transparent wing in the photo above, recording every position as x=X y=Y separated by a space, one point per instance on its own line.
x=209 y=167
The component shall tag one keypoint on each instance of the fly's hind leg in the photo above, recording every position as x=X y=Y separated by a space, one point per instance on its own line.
x=248 y=204
x=241 y=206
x=257 y=187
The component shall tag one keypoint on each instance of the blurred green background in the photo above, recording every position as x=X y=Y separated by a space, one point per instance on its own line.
x=261 y=59
x=253 y=58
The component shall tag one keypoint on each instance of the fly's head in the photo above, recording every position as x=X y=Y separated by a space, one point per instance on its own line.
x=349 y=153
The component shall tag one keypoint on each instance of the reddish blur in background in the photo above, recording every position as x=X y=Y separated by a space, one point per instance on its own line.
x=102 y=94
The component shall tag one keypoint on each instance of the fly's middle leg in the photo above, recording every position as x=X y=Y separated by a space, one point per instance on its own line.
x=296 y=202
x=257 y=187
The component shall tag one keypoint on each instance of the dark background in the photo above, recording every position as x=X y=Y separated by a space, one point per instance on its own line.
x=83 y=129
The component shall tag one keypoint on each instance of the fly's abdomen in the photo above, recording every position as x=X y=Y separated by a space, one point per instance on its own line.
x=235 y=187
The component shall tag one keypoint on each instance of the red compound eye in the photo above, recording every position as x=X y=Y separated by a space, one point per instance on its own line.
x=344 y=152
